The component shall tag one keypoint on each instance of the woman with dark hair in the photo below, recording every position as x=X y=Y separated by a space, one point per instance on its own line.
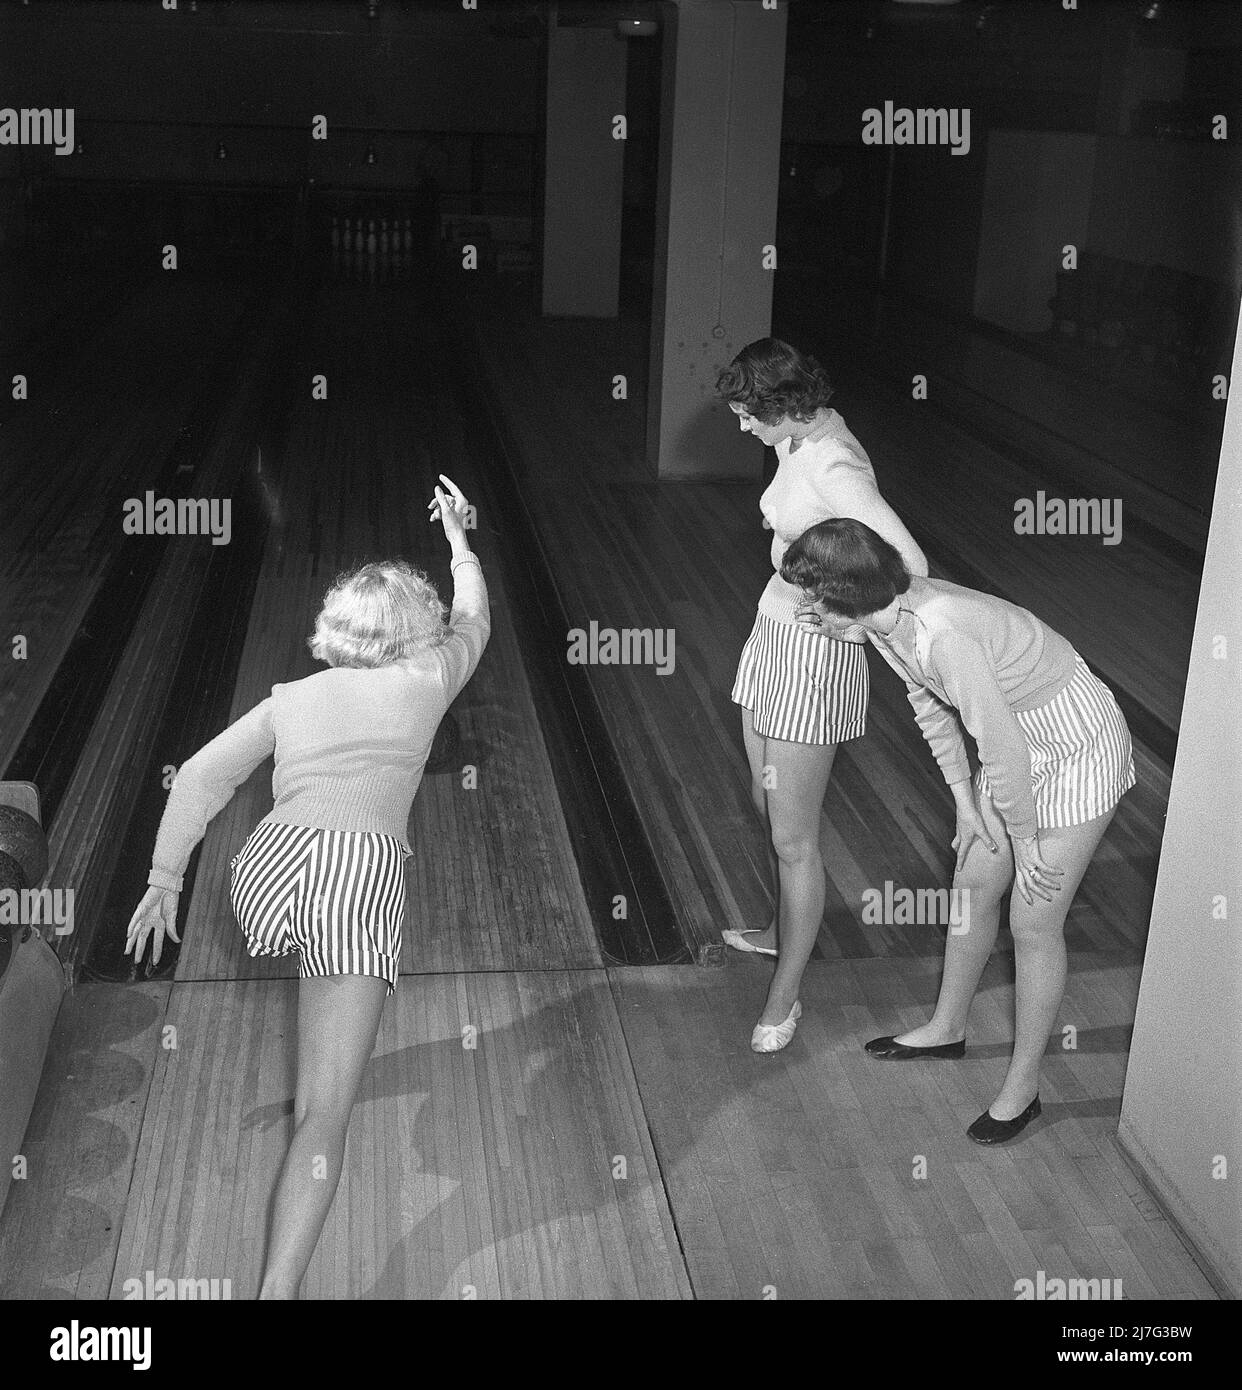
x=802 y=691
x=1055 y=758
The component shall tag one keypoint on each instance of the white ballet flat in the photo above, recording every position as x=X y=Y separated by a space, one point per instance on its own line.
x=771 y=1037
x=737 y=939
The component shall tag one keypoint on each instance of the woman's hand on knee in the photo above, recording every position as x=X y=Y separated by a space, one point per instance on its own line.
x=970 y=827
x=1031 y=873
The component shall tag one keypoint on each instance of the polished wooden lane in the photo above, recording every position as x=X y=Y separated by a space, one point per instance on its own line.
x=821 y=1173
x=99 y=430
x=493 y=883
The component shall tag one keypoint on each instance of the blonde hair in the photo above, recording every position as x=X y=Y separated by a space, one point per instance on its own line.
x=377 y=614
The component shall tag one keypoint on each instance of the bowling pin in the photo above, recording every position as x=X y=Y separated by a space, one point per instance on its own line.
x=371 y=241
x=349 y=236
x=407 y=239
x=336 y=235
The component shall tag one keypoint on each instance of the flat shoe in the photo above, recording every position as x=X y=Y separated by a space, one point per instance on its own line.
x=892 y=1051
x=771 y=1037
x=989 y=1130
x=737 y=939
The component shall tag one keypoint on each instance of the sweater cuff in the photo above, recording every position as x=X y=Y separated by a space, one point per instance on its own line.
x=161 y=878
x=1021 y=830
x=472 y=558
x=957 y=769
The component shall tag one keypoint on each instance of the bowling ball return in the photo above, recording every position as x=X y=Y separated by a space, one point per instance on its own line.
x=32 y=980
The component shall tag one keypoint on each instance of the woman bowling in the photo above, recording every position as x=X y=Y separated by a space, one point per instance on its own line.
x=802 y=691
x=1055 y=758
x=323 y=874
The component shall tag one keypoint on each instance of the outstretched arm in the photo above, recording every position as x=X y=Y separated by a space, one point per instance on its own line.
x=203 y=786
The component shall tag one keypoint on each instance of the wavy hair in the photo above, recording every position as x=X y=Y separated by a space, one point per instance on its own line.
x=771 y=380
x=846 y=567
x=377 y=614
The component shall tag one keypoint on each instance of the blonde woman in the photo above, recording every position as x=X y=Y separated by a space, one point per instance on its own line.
x=323 y=874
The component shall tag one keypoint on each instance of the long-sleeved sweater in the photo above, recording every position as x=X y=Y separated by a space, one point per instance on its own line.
x=960 y=650
x=828 y=475
x=350 y=743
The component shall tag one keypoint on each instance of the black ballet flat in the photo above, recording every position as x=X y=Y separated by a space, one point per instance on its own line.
x=892 y=1051
x=989 y=1130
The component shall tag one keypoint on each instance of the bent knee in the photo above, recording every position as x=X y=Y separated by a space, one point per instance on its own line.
x=1035 y=926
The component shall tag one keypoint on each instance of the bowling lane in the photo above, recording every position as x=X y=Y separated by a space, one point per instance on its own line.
x=100 y=424
x=493 y=883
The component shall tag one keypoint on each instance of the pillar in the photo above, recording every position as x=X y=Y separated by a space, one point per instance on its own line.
x=583 y=165
x=1181 y=1111
x=723 y=73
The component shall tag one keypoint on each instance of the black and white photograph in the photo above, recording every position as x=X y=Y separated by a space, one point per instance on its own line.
x=620 y=666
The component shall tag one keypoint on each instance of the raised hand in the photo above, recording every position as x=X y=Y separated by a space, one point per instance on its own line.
x=450 y=508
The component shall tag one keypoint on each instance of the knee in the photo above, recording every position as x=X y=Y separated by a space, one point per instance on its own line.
x=794 y=845
x=1037 y=927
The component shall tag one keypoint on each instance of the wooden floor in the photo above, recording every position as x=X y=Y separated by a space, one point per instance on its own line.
x=534 y=1123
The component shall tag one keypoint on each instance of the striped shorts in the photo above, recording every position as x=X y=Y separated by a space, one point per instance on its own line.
x=801 y=687
x=1082 y=761
x=336 y=897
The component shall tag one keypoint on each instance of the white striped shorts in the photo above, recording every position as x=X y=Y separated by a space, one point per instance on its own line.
x=336 y=897
x=1082 y=761
x=801 y=687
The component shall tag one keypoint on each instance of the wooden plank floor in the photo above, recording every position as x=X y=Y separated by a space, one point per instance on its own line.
x=800 y=1171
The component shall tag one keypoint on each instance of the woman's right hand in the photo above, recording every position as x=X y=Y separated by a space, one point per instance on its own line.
x=449 y=507
x=970 y=827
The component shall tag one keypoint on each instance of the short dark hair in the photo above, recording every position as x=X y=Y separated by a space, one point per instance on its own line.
x=772 y=380
x=846 y=567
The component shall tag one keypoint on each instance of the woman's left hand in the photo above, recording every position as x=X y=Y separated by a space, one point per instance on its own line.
x=157 y=912
x=1031 y=874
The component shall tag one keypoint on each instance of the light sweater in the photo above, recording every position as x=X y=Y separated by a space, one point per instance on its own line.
x=828 y=475
x=960 y=650
x=350 y=743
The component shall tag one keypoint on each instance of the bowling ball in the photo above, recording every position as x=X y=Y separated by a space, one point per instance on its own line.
x=444 y=747
x=22 y=836
x=11 y=876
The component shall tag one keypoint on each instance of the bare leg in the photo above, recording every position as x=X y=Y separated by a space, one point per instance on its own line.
x=1039 y=952
x=987 y=878
x=759 y=797
x=795 y=800
x=338 y=1020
